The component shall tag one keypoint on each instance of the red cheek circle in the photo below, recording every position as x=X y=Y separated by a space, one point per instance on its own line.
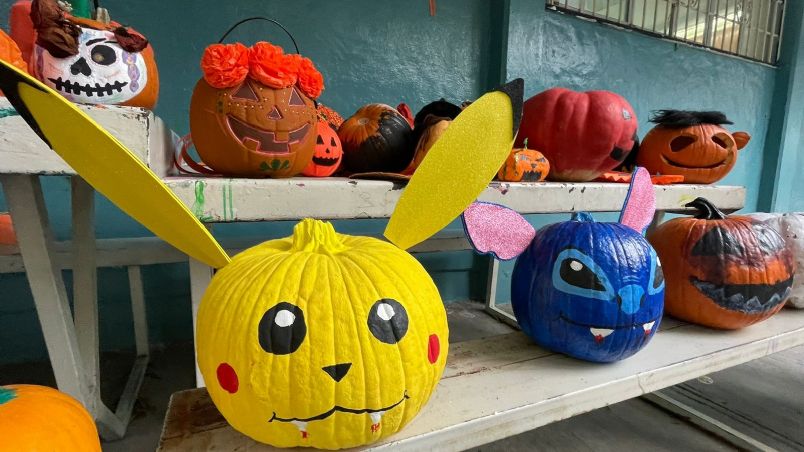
x=227 y=378
x=433 y=348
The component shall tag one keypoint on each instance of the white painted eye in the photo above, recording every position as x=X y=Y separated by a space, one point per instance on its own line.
x=658 y=262
x=577 y=266
x=284 y=318
x=385 y=311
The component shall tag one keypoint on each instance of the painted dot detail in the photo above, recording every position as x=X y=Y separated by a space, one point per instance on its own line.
x=433 y=348
x=227 y=378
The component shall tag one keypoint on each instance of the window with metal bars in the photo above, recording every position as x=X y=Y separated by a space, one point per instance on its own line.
x=748 y=28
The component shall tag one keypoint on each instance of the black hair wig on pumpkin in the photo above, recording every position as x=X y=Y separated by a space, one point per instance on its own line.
x=682 y=118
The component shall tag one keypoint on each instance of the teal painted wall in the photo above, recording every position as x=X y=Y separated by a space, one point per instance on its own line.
x=391 y=53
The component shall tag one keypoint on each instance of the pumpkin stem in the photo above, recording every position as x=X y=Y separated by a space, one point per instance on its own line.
x=317 y=237
x=6 y=395
x=706 y=210
x=525 y=144
x=583 y=217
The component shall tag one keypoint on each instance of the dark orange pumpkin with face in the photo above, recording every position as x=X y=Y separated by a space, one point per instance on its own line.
x=724 y=272
x=524 y=165
x=691 y=144
x=252 y=114
x=328 y=152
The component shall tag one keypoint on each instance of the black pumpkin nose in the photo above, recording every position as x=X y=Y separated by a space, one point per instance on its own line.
x=80 y=67
x=338 y=371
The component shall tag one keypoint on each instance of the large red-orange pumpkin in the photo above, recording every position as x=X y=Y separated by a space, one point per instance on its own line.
x=88 y=61
x=376 y=138
x=252 y=114
x=691 y=144
x=10 y=52
x=327 y=156
x=724 y=272
x=38 y=418
x=583 y=135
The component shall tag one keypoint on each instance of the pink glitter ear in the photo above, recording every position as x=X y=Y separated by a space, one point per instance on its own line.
x=497 y=230
x=640 y=202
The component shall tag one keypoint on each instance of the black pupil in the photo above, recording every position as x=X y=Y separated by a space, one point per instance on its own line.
x=103 y=54
x=575 y=273
x=282 y=329
x=388 y=321
x=658 y=276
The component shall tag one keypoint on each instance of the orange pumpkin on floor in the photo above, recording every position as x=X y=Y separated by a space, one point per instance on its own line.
x=724 y=272
x=38 y=418
x=524 y=165
x=252 y=114
x=691 y=144
x=328 y=152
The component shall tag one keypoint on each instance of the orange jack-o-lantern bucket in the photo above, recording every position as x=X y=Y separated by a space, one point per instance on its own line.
x=253 y=112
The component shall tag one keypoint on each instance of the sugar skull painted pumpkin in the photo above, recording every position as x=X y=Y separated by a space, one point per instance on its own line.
x=88 y=61
x=321 y=339
x=722 y=271
x=34 y=418
x=692 y=144
x=524 y=165
x=590 y=290
x=327 y=156
x=252 y=114
x=791 y=227
x=583 y=135
x=376 y=138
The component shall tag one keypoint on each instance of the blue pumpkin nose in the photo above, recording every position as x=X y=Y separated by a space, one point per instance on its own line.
x=630 y=298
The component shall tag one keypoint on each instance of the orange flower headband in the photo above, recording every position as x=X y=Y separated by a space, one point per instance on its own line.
x=227 y=65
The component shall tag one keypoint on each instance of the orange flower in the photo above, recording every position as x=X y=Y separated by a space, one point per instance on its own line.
x=269 y=65
x=310 y=80
x=225 y=65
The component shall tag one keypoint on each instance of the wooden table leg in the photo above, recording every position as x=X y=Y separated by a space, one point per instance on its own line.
x=29 y=214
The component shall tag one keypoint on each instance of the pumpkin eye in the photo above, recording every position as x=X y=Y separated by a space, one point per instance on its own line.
x=295 y=98
x=103 y=55
x=575 y=273
x=717 y=241
x=245 y=92
x=681 y=142
x=768 y=242
x=388 y=321
x=282 y=329
x=657 y=276
x=722 y=140
x=332 y=142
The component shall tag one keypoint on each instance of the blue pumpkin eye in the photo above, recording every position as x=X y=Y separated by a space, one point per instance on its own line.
x=576 y=273
x=656 y=275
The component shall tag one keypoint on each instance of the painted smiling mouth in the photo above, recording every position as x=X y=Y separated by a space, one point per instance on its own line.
x=681 y=165
x=375 y=414
x=748 y=298
x=264 y=141
x=325 y=161
x=599 y=332
x=76 y=88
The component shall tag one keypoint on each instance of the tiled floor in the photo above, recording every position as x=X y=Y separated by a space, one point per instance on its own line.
x=764 y=398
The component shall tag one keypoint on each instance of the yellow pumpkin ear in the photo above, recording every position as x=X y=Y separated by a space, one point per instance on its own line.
x=741 y=139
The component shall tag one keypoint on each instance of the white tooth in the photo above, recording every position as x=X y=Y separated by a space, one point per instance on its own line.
x=302 y=426
x=648 y=326
x=602 y=332
x=376 y=416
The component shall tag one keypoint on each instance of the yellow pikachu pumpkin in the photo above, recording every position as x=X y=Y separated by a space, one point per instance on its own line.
x=321 y=339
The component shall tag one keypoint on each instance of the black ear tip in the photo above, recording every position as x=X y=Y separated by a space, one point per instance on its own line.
x=515 y=90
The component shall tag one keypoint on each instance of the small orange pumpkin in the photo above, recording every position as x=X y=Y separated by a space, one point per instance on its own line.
x=724 y=272
x=10 y=52
x=41 y=418
x=691 y=144
x=524 y=165
x=7 y=235
x=328 y=152
x=376 y=138
x=434 y=127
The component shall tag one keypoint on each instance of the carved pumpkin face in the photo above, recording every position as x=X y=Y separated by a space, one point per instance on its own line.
x=723 y=272
x=327 y=156
x=101 y=72
x=702 y=153
x=524 y=165
x=253 y=130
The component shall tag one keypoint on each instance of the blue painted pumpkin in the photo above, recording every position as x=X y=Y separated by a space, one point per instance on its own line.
x=594 y=291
